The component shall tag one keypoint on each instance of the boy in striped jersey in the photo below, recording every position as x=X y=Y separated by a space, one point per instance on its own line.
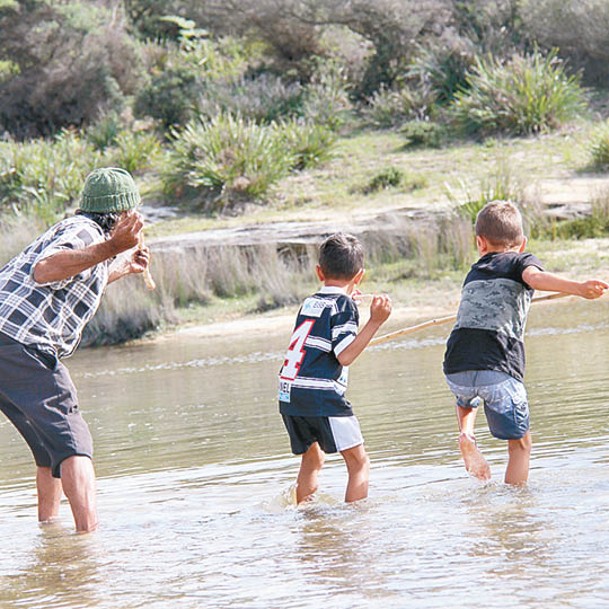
x=313 y=378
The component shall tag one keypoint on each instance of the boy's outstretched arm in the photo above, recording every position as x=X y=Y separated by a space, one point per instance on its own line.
x=542 y=280
x=380 y=309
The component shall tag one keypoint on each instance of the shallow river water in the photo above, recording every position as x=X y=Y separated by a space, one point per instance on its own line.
x=195 y=474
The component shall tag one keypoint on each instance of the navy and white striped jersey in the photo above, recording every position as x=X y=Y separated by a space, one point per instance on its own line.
x=311 y=381
x=495 y=301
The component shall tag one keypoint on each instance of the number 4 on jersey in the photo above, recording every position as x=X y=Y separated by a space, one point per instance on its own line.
x=296 y=353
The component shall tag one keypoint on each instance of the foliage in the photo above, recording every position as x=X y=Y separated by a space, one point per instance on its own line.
x=525 y=95
x=591 y=226
x=44 y=178
x=423 y=133
x=70 y=63
x=264 y=98
x=326 y=97
x=577 y=27
x=389 y=108
x=599 y=148
x=387 y=178
x=440 y=68
x=133 y=151
x=170 y=96
x=308 y=144
x=227 y=160
x=499 y=185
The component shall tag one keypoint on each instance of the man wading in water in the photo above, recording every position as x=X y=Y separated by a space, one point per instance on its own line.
x=48 y=293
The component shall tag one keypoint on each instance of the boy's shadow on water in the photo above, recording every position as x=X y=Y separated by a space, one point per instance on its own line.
x=63 y=571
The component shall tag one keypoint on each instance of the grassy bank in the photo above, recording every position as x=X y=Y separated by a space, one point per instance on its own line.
x=413 y=209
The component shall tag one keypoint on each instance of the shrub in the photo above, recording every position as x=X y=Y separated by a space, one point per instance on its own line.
x=325 y=98
x=525 y=95
x=45 y=178
x=308 y=144
x=72 y=61
x=441 y=67
x=264 y=98
x=133 y=151
x=104 y=132
x=227 y=160
x=391 y=107
x=423 y=133
x=599 y=148
x=170 y=96
x=387 y=178
x=500 y=185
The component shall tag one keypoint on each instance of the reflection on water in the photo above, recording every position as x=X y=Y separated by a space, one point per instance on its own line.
x=195 y=476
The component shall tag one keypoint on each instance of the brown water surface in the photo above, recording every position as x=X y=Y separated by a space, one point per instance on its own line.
x=194 y=477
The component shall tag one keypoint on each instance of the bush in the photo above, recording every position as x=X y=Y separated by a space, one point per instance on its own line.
x=391 y=107
x=599 y=149
x=171 y=97
x=72 y=62
x=308 y=144
x=44 y=178
x=264 y=98
x=423 y=133
x=526 y=95
x=226 y=161
x=441 y=68
x=387 y=178
x=325 y=97
x=133 y=151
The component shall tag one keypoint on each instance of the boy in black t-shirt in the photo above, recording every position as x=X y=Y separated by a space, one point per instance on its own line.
x=484 y=359
x=313 y=378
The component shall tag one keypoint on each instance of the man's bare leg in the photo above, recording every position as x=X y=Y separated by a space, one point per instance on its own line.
x=475 y=463
x=358 y=467
x=78 y=481
x=49 y=494
x=517 y=472
x=311 y=463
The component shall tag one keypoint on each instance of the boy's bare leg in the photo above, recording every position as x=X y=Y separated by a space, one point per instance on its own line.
x=475 y=463
x=49 y=494
x=310 y=466
x=78 y=481
x=358 y=468
x=519 y=451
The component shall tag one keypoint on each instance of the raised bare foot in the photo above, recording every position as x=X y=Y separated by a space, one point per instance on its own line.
x=475 y=463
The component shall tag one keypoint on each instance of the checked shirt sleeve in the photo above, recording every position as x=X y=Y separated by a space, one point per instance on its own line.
x=68 y=237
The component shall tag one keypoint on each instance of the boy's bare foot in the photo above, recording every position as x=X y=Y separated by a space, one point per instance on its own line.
x=475 y=463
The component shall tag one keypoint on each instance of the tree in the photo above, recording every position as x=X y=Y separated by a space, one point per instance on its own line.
x=69 y=63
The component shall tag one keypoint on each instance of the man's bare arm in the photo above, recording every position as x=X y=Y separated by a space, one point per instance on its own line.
x=67 y=263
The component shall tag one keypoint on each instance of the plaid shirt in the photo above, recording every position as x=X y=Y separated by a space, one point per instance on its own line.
x=52 y=316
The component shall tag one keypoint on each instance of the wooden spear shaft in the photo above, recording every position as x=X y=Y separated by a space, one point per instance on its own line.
x=148 y=280
x=444 y=320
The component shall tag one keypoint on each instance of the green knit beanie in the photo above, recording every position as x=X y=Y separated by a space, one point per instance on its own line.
x=109 y=189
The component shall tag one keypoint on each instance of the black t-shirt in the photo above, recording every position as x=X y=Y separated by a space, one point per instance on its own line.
x=489 y=331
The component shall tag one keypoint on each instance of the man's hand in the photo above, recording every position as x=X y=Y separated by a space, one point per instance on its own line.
x=137 y=262
x=125 y=233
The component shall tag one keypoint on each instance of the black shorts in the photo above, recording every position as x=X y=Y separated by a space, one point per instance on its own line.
x=39 y=398
x=334 y=434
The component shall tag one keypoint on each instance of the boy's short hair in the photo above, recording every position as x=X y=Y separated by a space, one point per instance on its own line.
x=341 y=256
x=500 y=223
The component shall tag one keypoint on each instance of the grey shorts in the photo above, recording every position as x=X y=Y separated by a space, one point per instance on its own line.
x=505 y=400
x=39 y=398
